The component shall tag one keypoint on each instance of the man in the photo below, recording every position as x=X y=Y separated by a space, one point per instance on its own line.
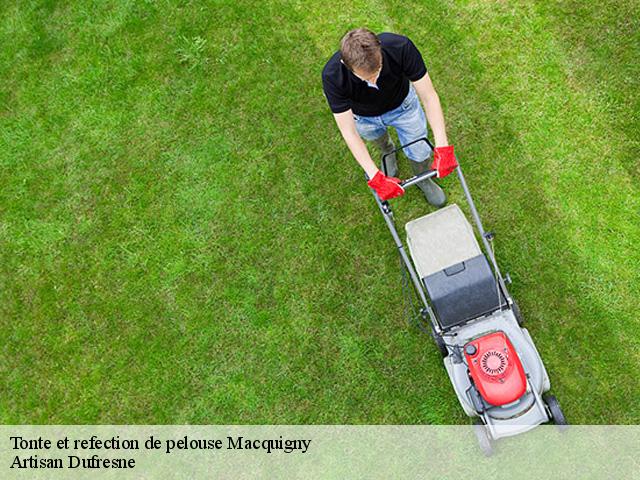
x=376 y=81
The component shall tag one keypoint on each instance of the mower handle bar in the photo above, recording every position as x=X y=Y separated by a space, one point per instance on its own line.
x=418 y=178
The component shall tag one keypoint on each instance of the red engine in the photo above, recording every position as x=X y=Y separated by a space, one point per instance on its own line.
x=495 y=368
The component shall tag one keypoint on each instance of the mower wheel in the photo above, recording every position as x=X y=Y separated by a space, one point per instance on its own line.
x=482 y=434
x=556 y=412
x=441 y=345
x=516 y=313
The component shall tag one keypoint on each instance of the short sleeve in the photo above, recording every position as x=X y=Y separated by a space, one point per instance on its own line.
x=412 y=63
x=337 y=100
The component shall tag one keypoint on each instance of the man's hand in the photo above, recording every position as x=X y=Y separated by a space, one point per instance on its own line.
x=444 y=161
x=386 y=187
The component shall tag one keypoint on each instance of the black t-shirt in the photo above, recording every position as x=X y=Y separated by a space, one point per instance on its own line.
x=401 y=63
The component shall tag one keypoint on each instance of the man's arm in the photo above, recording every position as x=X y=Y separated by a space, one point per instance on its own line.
x=347 y=127
x=385 y=187
x=433 y=109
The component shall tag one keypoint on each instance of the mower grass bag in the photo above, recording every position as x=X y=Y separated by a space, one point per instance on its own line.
x=452 y=267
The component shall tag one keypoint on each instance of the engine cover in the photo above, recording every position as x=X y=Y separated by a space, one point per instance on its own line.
x=495 y=368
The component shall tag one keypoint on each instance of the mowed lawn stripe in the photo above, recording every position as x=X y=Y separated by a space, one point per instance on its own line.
x=555 y=128
x=593 y=200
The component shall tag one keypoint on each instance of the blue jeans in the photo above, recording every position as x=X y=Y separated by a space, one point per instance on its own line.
x=409 y=121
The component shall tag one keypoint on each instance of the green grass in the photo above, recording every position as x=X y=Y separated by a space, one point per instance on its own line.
x=185 y=238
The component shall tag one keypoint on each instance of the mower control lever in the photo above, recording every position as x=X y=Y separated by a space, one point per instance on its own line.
x=418 y=178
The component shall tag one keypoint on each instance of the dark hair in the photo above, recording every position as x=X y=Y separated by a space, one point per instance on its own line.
x=360 y=49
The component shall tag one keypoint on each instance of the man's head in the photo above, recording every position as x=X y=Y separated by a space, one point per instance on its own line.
x=361 y=53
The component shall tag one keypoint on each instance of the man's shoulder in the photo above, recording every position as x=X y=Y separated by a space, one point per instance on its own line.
x=333 y=67
x=335 y=84
x=393 y=40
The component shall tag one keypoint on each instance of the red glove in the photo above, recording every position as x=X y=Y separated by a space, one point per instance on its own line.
x=386 y=187
x=444 y=161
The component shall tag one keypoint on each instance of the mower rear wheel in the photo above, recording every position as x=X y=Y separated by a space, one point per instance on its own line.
x=482 y=434
x=516 y=313
x=556 y=412
x=442 y=347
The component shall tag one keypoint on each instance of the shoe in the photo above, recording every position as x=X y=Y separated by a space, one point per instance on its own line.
x=432 y=191
x=385 y=144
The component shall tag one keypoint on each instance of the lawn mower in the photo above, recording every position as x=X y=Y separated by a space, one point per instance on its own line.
x=493 y=364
